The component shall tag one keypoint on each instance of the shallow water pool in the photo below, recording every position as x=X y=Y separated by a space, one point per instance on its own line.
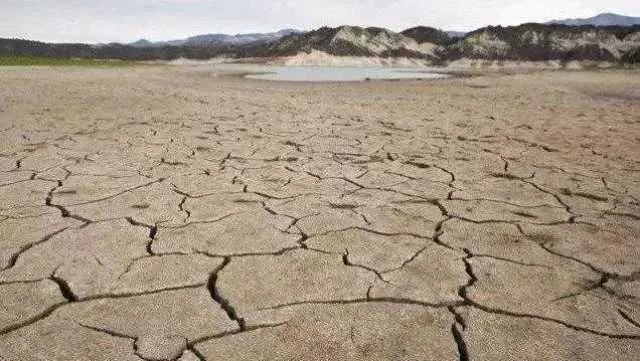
x=327 y=73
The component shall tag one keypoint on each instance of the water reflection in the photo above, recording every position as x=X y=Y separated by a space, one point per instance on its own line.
x=326 y=73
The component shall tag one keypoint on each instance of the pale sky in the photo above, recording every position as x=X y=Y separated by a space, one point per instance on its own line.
x=129 y=20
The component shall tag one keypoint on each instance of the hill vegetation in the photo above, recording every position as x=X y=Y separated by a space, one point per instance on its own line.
x=527 y=42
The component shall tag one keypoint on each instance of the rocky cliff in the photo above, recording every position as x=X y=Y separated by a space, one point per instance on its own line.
x=536 y=42
x=351 y=41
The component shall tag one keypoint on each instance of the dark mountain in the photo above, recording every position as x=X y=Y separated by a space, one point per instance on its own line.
x=425 y=34
x=605 y=19
x=239 y=39
x=456 y=34
x=319 y=39
x=19 y=47
x=219 y=39
x=142 y=43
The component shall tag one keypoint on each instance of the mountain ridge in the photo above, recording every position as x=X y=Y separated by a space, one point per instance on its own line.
x=603 y=19
x=348 y=40
x=540 y=42
x=525 y=42
x=218 y=39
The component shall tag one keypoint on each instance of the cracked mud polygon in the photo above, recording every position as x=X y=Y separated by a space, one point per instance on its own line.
x=160 y=213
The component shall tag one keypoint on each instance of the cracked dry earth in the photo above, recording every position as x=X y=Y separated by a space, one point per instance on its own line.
x=159 y=213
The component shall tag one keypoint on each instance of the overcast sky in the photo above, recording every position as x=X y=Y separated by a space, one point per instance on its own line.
x=128 y=20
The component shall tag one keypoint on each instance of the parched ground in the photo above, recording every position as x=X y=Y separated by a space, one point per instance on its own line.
x=166 y=213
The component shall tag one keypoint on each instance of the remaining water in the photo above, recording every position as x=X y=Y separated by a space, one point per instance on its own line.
x=327 y=73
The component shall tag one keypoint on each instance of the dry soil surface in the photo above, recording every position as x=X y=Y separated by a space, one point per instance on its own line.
x=169 y=213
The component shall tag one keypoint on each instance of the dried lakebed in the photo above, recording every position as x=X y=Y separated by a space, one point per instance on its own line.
x=169 y=213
